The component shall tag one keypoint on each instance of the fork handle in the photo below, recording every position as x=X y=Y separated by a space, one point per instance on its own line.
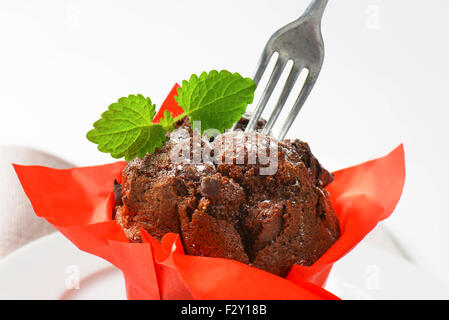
x=316 y=9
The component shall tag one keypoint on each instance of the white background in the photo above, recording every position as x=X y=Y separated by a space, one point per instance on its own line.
x=384 y=81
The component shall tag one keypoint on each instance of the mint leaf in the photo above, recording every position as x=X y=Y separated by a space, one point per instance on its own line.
x=127 y=130
x=217 y=99
x=167 y=121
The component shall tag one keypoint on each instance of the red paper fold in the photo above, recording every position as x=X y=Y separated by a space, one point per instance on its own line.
x=169 y=104
x=79 y=203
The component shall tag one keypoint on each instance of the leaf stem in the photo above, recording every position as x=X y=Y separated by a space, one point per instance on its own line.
x=176 y=119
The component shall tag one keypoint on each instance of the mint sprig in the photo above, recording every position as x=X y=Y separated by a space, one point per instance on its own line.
x=217 y=99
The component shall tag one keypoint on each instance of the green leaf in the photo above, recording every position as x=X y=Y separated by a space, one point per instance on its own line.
x=217 y=99
x=167 y=121
x=127 y=130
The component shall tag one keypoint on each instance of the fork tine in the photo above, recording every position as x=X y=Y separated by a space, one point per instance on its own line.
x=291 y=80
x=305 y=91
x=262 y=64
x=274 y=78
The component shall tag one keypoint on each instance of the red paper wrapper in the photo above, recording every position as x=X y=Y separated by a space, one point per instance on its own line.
x=79 y=203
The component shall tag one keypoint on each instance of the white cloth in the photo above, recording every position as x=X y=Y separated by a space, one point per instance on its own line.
x=18 y=222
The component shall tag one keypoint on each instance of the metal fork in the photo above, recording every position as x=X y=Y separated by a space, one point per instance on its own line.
x=300 y=41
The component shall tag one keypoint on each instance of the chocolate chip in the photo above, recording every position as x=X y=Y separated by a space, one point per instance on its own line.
x=118 y=193
x=210 y=187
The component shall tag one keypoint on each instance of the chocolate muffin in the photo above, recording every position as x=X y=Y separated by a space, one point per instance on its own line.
x=239 y=196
